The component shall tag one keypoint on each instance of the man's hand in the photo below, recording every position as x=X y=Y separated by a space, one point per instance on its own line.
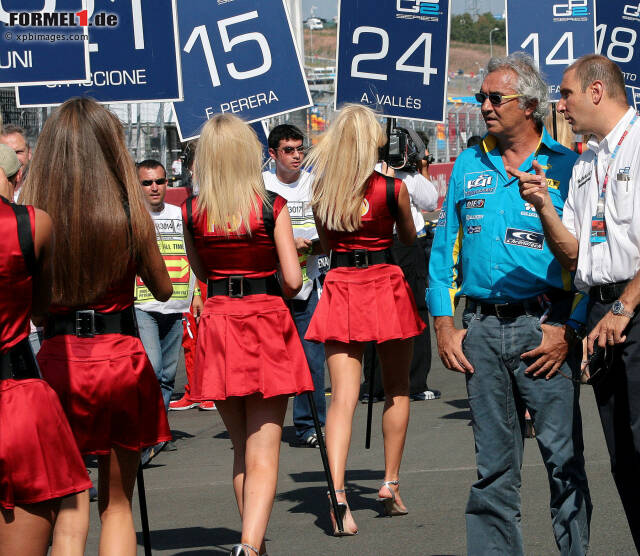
x=450 y=349
x=196 y=306
x=550 y=354
x=609 y=331
x=533 y=187
x=302 y=245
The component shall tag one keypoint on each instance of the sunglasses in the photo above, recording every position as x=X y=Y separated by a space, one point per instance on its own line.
x=494 y=98
x=288 y=150
x=159 y=181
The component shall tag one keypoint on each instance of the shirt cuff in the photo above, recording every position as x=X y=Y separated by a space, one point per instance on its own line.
x=439 y=301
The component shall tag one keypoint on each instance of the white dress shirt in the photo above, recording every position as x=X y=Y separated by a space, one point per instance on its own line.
x=617 y=258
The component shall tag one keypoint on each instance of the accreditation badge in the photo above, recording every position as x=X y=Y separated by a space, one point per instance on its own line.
x=598 y=229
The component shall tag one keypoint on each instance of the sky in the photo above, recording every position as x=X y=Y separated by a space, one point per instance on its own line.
x=329 y=8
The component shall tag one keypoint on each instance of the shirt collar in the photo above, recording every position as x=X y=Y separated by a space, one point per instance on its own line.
x=489 y=143
x=611 y=140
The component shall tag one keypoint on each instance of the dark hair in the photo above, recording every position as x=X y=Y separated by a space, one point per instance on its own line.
x=150 y=164
x=474 y=140
x=282 y=133
x=9 y=129
x=594 y=67
x=425 y=138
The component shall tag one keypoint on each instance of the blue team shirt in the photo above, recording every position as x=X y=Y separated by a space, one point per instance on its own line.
x=496 y=237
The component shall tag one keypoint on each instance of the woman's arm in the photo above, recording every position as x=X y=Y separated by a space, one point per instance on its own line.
x=42 y=278
x=153 y=271
x=287 y=255
x=404 y=222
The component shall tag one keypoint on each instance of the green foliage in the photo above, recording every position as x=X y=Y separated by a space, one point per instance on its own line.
x=465 y=29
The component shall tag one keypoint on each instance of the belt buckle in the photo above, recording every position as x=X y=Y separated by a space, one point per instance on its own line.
x=498 y=307
x=86 y=323
x=360 y=258
x=235 y=286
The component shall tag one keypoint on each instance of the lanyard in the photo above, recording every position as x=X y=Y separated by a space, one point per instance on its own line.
x=601 y=197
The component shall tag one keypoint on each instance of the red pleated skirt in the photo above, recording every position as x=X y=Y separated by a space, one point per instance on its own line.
x=246 y=346
x=108 y=390
x=38 y=456
x=372 y=304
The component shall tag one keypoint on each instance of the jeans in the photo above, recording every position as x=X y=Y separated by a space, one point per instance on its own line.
x=499 y=392
x=161 y=337
x=302 y=311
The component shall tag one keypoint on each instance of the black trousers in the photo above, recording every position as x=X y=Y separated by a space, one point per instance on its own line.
x=618 y=399
x=413 y=259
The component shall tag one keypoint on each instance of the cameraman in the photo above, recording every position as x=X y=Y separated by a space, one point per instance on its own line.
x=413 y=260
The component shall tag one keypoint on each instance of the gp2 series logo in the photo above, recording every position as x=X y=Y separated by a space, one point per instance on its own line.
x=631 y=10
x=425 y=7
x=572 y=8
x=524 y=238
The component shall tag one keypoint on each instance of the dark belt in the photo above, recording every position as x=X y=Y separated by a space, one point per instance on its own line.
x=513 y=310
x=240 y=286
x=19 y=363
x=608 y=293
x=89 y=323
x=360 y=258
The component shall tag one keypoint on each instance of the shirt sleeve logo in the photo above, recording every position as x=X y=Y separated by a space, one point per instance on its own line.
x=474 y=204
x=553 y=184
x=364 y=208
x=480 y=182
x=524 y=238
x=474 y=229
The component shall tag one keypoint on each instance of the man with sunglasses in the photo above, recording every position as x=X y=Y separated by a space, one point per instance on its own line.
x=160 y=323
x=287 y=150
x=514 y=344
x=598 y=239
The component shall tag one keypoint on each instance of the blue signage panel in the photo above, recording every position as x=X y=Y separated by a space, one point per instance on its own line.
x=135 y=60
x=617 y=30
x=240 y=58
x=392 y=56
x=42 y=41
x=555 y=32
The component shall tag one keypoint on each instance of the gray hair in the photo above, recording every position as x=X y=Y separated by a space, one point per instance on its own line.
x=530 y=83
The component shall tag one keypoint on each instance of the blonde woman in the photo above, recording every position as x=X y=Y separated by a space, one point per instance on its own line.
x=249 y=358
x=365 y=297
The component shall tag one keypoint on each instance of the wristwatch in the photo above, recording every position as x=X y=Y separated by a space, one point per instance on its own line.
x=618 y=309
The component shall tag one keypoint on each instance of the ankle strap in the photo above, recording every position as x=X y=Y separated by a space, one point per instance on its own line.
x=245 y=545
x=337 y=490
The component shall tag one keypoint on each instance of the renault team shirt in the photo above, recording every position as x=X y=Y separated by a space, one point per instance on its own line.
x=170 y=238
x=298 y=196
x=494 y=234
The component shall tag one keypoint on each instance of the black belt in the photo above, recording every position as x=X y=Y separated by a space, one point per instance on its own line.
x=360 y=258
x=19 y=362
x=89 y=323
x=608 y=293
x=239 y=286
x=513 y=310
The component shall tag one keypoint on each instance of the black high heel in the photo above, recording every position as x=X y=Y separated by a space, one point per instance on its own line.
x=342 y=508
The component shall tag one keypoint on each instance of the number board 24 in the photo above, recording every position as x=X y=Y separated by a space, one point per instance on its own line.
x=392 y=56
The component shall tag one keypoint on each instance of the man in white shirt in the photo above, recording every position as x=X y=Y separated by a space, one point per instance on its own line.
x=15 y=137
x=160 y=323
x=287 y=150
x=599 y=239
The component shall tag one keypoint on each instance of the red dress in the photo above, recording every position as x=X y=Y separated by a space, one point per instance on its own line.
x=106 y=384
x=366 y=304
x=250 y=344
x=38 y=457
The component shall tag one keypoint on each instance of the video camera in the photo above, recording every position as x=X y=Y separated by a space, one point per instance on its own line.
x=405 y=149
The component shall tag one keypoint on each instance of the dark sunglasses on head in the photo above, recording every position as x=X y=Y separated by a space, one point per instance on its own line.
x=494 y=98
x=288 y=150
x=159 y=181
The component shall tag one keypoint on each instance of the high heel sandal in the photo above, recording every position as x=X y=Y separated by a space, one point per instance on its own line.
x=342 y=509
x=391 y=507
x=239 y=550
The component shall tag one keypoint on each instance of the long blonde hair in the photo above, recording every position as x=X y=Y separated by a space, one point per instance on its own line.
x=341 y=165
x=228 y=168
x=84 y=177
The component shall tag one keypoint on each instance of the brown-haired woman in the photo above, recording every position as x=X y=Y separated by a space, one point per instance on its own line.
x=365 y=296
x=249 y=357
x=83 y=176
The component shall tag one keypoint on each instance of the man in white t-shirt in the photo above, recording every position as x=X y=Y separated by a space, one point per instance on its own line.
x=160 y=323
x=287 y=150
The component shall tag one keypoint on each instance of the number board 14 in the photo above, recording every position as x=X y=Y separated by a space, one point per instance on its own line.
x=237 y=57
x=557 y=34
x=392 y=56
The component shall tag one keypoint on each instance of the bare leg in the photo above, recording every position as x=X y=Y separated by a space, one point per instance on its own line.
x=71 y=526
x=345 y=368
x=26 y=530
x=395 y=357
x=117 y=477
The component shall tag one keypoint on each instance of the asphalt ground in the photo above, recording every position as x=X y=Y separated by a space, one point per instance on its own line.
x=192 y=509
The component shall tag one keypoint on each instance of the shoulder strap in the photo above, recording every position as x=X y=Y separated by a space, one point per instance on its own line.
x=189 y=206
x=392 y=202
x=267 y=214
x=25 y=237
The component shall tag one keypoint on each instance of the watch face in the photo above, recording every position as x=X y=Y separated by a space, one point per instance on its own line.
x=617 y=308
